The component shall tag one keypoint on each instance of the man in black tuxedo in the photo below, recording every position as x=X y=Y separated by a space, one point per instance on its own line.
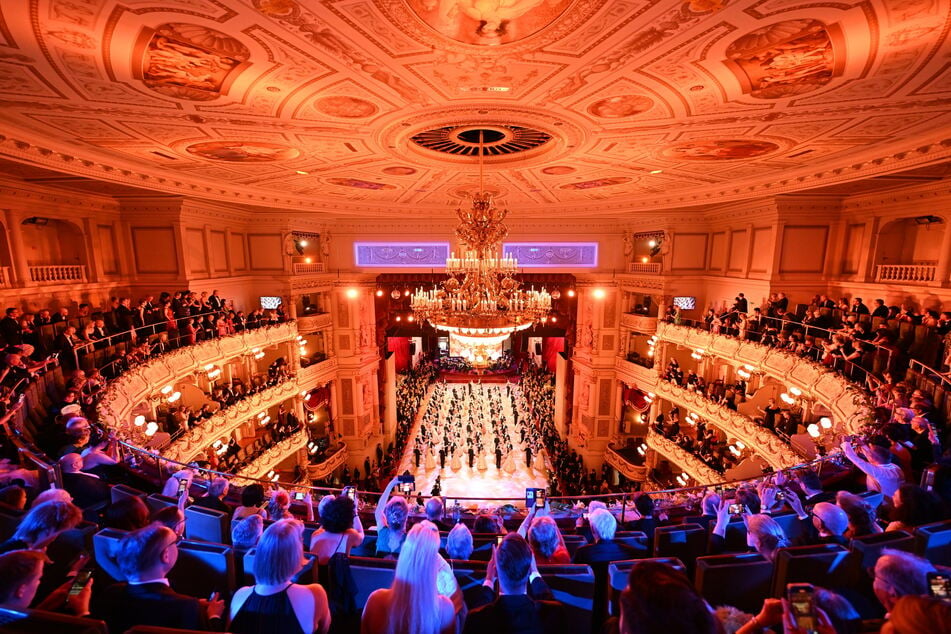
x=145 y=557
x=881 y=310
x=87 y=489
x=442 y=458
x=217 y=490
x=602 y=552
x=740 y=304
x=498 y=457
x=514 y=611
x=215 y=302
x=10 y=327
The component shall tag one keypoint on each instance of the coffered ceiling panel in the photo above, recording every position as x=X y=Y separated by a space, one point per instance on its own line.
x=370 y=106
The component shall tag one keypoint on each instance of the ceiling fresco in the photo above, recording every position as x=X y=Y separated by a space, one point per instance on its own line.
x=372 y=106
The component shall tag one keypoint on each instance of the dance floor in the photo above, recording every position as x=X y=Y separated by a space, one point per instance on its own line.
x=473 y=484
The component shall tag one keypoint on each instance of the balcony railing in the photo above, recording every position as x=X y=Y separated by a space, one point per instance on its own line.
x=637 y=473
x=314 y=322
x=848 y=403
x=641 y=323
x=315 y=373
x=57 y=274
x=690 y=464
x=333 y=462
x=905 y=272
x=634 y=373
x=650 y=268
x=305 y=268
x=225 y=421
x=759 y=440
x=275 y=455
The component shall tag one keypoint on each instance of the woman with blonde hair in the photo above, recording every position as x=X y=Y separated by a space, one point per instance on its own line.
x=275 y=603
x=412 y=605
x=765 y=535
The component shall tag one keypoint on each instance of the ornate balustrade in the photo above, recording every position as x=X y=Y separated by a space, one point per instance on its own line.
x=849 y=404
x=333 y=462
x=314 y=322
x=637 y=473
x=57 y=274
x=317 y=373
x=634 y=374
x=640 y=323
x=274 y=455
x=770 y=447
x=905 y=272
x=308 y=268
x=691 y=465
x=652 y=268
x=227 y=420
x=126 y=394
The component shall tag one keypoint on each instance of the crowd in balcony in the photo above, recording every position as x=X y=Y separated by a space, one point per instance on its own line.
x=705 y=443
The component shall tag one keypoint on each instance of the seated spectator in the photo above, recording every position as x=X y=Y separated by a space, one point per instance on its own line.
x=830 y=522
x=459 y=542
x=708 y=511
x=20 y=574
x=861 y=515
x=546 y=541
x=172 y=517
x=915 y=614
x=898 y=574
x=127 y=514
x=643 y=514
x=278 y=508
x=43 y=524
x=412 y=605
x=391 y=517
x=661 y=600
x=13 y=496
x=275 y=603
x=145 y=558
x=217 y=490
x=434 y=513
x=488 y=525
x=513 y=566
x=246 y=532
x=583 y=526
x=341 y=530
x=252 y=501
x=599 y=554
x=87 y=489
x=912 y=506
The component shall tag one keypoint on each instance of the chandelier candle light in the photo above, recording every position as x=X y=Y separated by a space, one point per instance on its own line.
x=481 y=303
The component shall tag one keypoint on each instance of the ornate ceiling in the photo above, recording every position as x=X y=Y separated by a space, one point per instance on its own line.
x=369 y=106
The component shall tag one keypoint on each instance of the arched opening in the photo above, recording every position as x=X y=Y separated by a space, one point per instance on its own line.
x=908 y=249
x=55 y=251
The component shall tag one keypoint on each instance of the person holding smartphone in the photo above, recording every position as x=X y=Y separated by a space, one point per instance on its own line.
x=390 y=515
x=341 y=529
x=20 y=573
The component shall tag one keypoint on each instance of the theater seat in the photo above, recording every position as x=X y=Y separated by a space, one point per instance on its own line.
x=741 y=580
x=151 y=629
x=864 y=552
x=43 y=622
x=204 y=568
x=619 y=571
x=207 y=525
x=306 y=575
x=121 y=491
x=825 y=565
x=634 y=539
x=104 y=545
x=686 y=542
x=469 y=575
x=574 y=586
x=371 y=574
x=573 y=543
x=157 y=501
x=934 y=542
x=9 y=520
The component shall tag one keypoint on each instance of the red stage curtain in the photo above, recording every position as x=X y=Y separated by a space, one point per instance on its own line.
x=635 y=398
x=551 y=346
x=400 y=347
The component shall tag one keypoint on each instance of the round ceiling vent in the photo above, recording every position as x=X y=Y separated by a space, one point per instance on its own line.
x=497 y=140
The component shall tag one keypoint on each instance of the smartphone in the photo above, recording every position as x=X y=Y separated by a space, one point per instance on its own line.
x=927 y=478
x=406 y=487
x=802 y=602
x=80 y=582
x=299 y=495
x=736 y=509
x=529 y=498
x=539 y=498
x=780 y=495
x=350 y=492
x=182 y=486
x=498 y=539
x=939 y=585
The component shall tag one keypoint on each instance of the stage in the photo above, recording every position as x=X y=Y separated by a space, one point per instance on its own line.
x=483 y=480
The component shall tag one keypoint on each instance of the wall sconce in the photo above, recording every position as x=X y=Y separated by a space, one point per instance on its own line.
x=698 y=354
x=174 y=397
x=151 y=428
x=139 y=420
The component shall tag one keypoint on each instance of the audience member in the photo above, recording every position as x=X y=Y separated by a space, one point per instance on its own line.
x=341 y=530
x=660 y=600
x=252 y=501
x=459 y=542
x=41 y=525
x=217 y=490
x=899 y=574
x=275 y=603
x=246 y=532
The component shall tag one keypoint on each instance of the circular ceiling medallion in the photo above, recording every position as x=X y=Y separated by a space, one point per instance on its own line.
x=495 y=139
x=398 y=170
x=468 y=191
x=489 y=23
x=621 y=106
x=346 y=107
x=242 y=151
x=600 y=182
x=559 y=170
x=719 y=149
x=359 y=184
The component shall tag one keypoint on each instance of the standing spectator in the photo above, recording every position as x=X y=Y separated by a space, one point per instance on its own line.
x=882 y=474
x=10 y=327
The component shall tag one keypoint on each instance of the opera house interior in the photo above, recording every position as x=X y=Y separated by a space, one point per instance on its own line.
x=445 y=316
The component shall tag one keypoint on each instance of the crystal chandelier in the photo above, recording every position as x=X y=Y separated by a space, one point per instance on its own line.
x=481 y=304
